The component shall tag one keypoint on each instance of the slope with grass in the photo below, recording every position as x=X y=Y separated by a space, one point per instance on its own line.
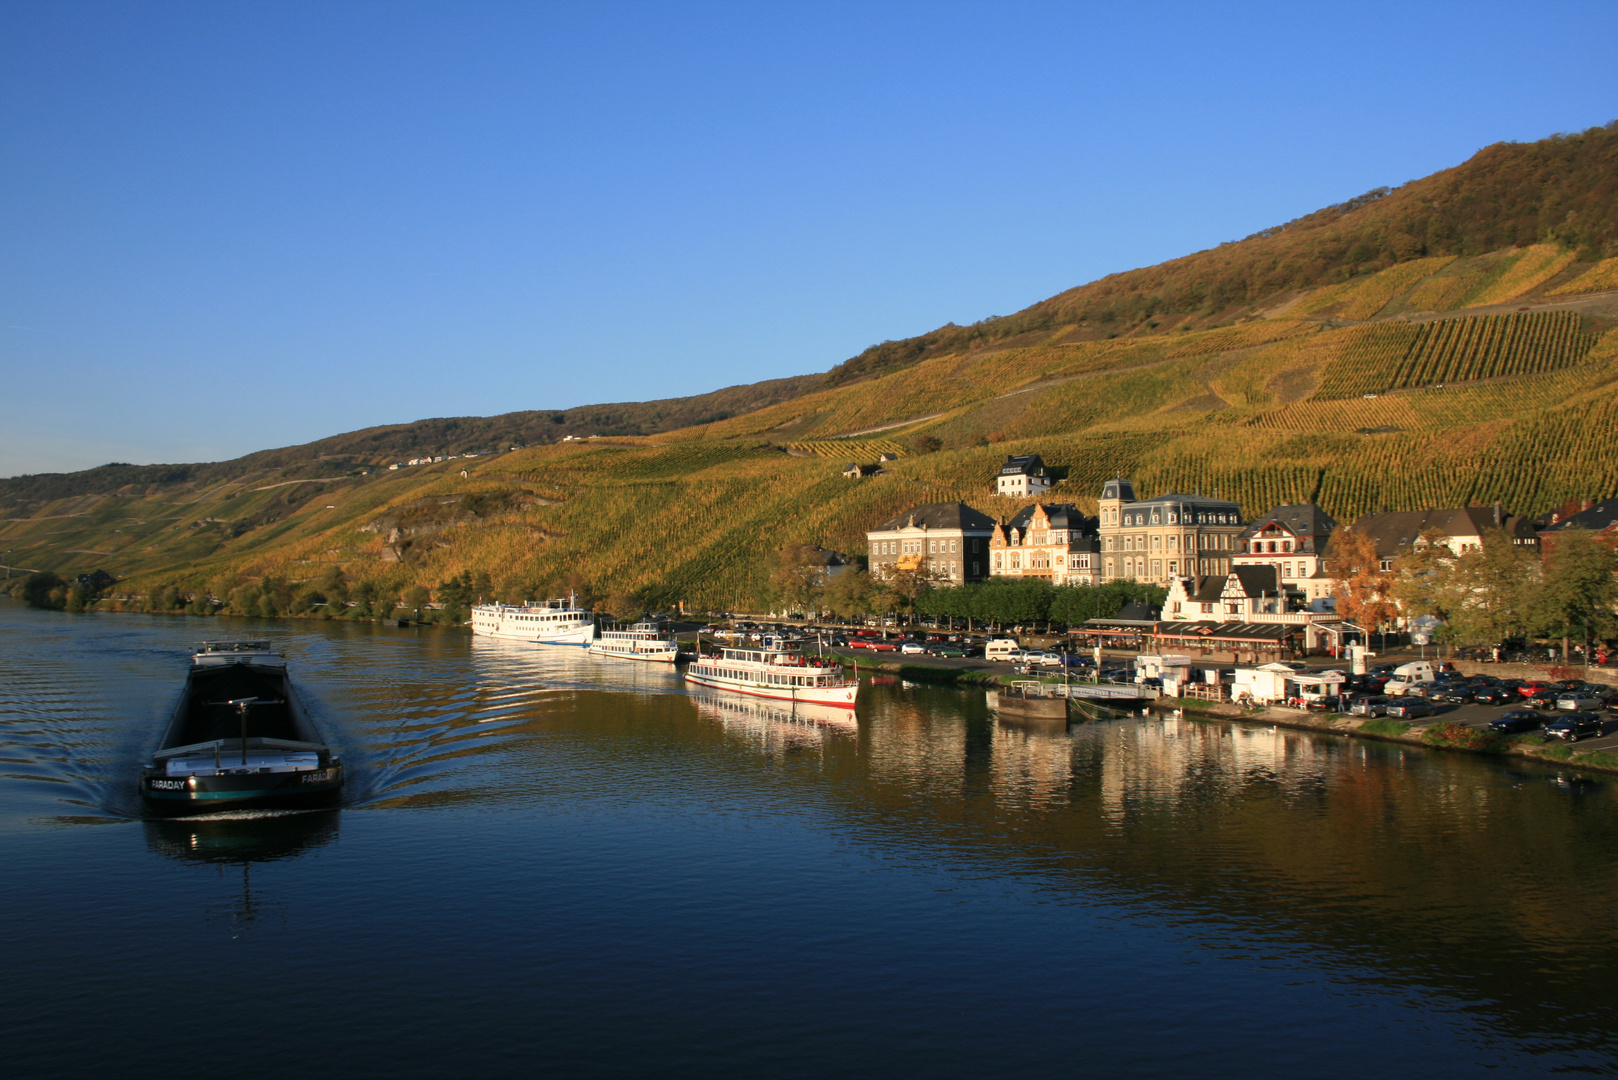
x=1334 y=359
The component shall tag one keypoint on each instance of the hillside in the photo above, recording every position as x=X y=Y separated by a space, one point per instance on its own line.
x=1448 y=377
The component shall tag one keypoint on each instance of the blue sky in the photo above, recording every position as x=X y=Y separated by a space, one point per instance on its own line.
x=225 y=227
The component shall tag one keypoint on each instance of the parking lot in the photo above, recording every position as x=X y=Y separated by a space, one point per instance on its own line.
x=1478 y=716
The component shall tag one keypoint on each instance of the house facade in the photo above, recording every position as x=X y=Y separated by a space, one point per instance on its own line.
x=1248 y=607
x=1053 y=542
x=1158 y=540
x=1292 y=539
x=1023 y=476
x=951 y=539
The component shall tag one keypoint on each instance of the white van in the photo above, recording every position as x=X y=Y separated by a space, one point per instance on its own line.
x=1000 y=648
x=1408 y=677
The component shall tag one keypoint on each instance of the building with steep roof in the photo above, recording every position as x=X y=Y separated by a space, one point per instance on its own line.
x=1023 y=475
x=1054 y=542
x=951 y=539
x=1159 y=539
x=1395 y=534
x=1293 y=540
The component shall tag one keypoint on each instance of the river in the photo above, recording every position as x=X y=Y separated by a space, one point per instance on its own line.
x=548 y=863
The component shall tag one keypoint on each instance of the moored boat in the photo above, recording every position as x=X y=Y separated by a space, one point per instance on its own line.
x=646 y=641
x=239 y=737
x=543 y=622
x=778 y=670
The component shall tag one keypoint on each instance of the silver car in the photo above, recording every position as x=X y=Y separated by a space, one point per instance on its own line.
x=1575 y=700
x=1375 y=705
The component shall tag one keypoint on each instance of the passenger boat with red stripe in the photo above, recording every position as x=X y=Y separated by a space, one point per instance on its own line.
x=776 y=669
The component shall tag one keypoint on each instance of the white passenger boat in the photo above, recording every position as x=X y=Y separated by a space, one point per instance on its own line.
x=644 y=641
x=544 y=622
x=776 y=670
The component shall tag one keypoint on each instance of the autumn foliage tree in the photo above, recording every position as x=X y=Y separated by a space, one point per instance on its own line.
x=1362 y=589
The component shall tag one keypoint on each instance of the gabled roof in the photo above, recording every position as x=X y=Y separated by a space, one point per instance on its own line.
x=955 y=515
x=1256 y=580
x=1306 y=521
x=1023 y=465
x=1395 y=533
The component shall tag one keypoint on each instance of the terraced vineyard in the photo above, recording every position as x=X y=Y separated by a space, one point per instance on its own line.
x=1389 y=356
x=864 y=451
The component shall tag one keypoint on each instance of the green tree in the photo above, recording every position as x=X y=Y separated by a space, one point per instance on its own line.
x=848 y=593
x=44 y=590
x=1579 y=588
x=416 y=599
x=798 y=582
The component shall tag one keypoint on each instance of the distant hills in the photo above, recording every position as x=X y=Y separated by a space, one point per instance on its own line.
x=1300 y=363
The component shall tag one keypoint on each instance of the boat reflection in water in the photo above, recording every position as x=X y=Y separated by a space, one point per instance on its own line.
x=225 y=840
x=776 y=725
x=241 y=838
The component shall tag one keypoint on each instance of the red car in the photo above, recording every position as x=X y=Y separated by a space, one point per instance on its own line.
x=1533 y=689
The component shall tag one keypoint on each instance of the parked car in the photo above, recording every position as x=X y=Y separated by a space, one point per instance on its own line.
x=946 y=649
x=1483 y=680
x=1410 y=706
x=1542 y=699
x=1324 y=703
x=1370 y=705
x=1532 y=687
x=1494 y=695
x=1575 y=700
x=1574 y=726
x=1517 y=720
x=1458 y=693
x=913 y=648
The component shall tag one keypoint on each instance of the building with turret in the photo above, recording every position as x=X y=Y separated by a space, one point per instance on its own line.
x=1157 y=540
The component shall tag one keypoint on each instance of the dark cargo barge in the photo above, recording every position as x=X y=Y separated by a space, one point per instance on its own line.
x=240 y=738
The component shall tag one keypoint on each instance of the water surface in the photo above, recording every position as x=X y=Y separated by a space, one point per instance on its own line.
x=553 y=863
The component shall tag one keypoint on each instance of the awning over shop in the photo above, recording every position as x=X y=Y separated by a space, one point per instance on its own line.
x=1115 y=627
x=1236 y=632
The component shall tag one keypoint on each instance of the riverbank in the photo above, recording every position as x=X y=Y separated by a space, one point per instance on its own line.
x=1437 y=733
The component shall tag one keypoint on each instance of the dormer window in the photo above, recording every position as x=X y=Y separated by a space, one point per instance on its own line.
x=1155 y=516
x=1172 y=517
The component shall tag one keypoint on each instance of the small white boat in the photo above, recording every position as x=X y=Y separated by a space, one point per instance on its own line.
x=777 y=670
x=644 y=641
x=543 y=622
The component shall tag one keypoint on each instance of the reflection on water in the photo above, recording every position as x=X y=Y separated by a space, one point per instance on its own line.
x=775 y=727
x=241 y=837
x=583 y=840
